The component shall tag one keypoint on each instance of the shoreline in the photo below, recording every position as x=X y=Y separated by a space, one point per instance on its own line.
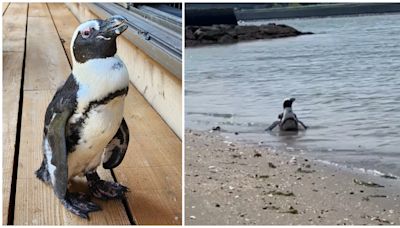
x=235 y=183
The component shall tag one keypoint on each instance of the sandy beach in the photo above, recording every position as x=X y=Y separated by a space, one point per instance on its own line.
x=228 y=183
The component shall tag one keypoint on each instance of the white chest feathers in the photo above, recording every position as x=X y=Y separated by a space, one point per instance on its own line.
x=101 y=124
x=97 y=78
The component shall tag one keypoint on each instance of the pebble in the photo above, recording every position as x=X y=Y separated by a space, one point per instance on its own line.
x=217 y=128
x=293 y=161
x=192 y=217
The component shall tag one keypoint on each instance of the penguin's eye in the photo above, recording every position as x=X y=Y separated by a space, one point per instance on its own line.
x=86 y=33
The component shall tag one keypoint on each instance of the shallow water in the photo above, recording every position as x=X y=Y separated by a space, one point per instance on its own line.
x=345 y=78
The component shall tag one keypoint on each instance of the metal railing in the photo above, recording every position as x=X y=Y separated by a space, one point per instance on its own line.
x=150 y=34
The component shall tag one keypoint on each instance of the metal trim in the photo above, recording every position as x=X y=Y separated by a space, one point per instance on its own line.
x=147 y=36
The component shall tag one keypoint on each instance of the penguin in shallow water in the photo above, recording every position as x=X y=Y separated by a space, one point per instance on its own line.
x=288 y=121
x=84 y=123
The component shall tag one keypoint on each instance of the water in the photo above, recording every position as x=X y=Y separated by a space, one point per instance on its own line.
x=345 y=79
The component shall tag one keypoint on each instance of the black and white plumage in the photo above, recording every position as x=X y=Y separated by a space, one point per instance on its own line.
x=84 y=123
x=288 y=120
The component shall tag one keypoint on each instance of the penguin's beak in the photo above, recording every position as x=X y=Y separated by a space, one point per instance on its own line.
x=114 y=26
x=292 y=99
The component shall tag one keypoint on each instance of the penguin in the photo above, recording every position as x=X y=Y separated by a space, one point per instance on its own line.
x=288 y=121
x=84 y=124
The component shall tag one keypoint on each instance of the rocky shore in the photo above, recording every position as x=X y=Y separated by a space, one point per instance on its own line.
x=227 y=34
x=228 y=183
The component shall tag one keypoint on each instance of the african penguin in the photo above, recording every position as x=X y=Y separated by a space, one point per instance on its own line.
x=84 y=123
x=288 y=121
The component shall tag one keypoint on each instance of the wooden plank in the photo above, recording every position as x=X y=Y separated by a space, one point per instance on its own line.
x=14 y=25
x=12 y=72
x=152 y=165
x=65 y=28
x=5 y=5
x=38 y=10
x=36 y=203
x=46 y=65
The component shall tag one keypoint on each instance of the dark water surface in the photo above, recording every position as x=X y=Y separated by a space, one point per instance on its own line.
x=346 y=79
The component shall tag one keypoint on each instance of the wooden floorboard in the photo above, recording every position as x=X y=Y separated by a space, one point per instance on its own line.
x=35 y=203
x=12 y=71
x=5 y=5
x=46 y=64
x=59 y=12
x=38 y=10
x=152 y=166
x=14 y=23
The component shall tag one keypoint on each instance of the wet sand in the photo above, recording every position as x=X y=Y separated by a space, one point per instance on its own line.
x=231 y=183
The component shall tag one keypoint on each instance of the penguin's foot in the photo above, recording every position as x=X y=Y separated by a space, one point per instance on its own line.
x=79 y=204
x=107 y=190
x=104 y=189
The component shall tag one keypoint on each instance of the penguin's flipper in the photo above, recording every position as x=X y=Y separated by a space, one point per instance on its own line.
x=57 y=143
x=116 y=148
x=273 y=125
x=302 y=124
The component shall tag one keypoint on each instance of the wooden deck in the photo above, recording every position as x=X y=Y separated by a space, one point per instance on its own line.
x=36 y=60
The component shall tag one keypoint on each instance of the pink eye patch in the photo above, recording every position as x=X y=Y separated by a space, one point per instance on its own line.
x=85 y=32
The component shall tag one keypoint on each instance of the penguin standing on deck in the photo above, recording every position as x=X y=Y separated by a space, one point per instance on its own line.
x=84 y=123
x=287 y=120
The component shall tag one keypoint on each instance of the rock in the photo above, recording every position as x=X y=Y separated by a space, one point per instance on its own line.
x=189 y=35
x=368 y=184
x=293 y=161
x=225 y=27
x=291 y=211
x=270 y=208
x=209 y=33
x=262 y=176
x=217 y=128
x=205 y=42
x=191 y=43
x=245 y=30
x=226 y=39
x=244 y=37
x=227 y=34
x=279 y=193
x=257 y=155
x=389 y=176
x=271 y=165
x=300 y=170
